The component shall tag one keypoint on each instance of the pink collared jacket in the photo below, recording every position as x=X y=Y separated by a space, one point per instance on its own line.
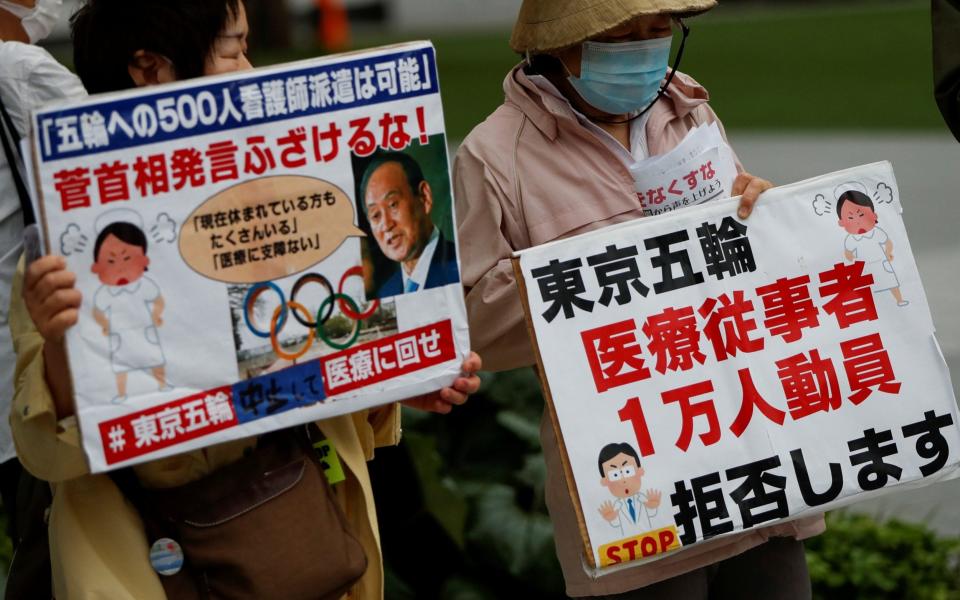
x=529 y=174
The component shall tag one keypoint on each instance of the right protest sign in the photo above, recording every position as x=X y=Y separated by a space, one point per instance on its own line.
x=708 y=375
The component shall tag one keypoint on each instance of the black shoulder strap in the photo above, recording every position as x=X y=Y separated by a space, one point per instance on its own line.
x=8 y=138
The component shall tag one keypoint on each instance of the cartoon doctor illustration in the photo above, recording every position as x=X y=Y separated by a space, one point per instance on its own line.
x=866 y=241
x=128 y=306
x=621 y=473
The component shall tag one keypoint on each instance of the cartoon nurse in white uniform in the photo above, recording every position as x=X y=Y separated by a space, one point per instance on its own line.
x=128 y=306
x=865 y=240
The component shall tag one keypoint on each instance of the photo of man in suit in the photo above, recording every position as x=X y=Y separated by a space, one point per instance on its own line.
x=398 y=200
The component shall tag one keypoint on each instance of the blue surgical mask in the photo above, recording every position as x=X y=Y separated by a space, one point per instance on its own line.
x=622 y=78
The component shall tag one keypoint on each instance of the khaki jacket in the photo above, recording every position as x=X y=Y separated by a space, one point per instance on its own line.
x=97 y=542
x=529 y=174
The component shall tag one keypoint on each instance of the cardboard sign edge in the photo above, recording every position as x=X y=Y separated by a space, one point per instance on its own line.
x=554 y=421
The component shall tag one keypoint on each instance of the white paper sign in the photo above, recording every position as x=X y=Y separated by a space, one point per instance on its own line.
x=254 y=250
x=712 y=375
x=701 y=168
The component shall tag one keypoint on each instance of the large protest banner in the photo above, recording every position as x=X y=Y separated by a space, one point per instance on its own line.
x=255 y=250
x=707 y=375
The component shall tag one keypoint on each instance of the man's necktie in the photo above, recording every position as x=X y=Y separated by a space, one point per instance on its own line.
x=631 y=510
x=411 y=286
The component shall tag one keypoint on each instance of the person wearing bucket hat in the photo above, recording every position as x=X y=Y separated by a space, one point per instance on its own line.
x=593 y=95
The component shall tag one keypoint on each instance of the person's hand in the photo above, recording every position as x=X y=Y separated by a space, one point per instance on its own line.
x=653 y=499
x=444 y=400
x=748 y=187
x=607 y=511
x=51 y=296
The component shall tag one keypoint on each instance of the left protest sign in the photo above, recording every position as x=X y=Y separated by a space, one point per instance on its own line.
x=707 y=375
x=239 y=267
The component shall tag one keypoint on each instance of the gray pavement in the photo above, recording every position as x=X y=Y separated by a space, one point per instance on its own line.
x=928 y=174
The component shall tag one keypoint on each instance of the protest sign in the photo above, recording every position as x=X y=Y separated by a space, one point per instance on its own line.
x=254 y=250
x=701 y=168
x=707 y=375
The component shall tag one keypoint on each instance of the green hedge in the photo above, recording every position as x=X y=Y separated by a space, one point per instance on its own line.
x=860 y=558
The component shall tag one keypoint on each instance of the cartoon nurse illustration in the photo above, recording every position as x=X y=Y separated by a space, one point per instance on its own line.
x=128 y=306
x=866 y=241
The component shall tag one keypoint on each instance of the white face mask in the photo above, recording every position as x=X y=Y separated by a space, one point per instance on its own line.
x=38 y=21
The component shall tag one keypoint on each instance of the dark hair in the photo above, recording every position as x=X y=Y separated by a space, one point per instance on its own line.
x=410 y=168
x=128 y=233
x=611 y=450
x=543 y=64
x=858 y=198
x=107 y=33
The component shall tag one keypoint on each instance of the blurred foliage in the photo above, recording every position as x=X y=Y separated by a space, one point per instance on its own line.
x=849 y=66
x=860 y=64
x=843 y=65
x=6 y=549
x=860 y=558
x=481 y=482
x=338 y=326
x=481 y=518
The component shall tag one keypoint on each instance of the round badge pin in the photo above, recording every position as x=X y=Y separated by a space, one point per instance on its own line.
x=166 y=556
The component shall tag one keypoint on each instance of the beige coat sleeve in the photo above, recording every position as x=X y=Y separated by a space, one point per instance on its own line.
x=384 y=424
x=48 y=448
x=497 y=330
x=376 y=427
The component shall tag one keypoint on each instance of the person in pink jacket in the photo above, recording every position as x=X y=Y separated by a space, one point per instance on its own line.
x=592 y=96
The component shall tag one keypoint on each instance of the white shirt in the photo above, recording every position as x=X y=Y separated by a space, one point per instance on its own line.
x=29 y=78
x=638 y=127
x=420 y=272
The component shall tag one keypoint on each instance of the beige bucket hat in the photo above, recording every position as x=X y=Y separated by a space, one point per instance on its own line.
x=551 y=24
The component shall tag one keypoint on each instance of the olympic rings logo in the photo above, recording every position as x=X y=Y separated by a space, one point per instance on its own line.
x=315 y=323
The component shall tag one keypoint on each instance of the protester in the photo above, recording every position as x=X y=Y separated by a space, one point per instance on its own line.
x=398 y=200
x=946 y=60
x=29 y=78
x=593 y=96
x=35 y=18
x=99 y=545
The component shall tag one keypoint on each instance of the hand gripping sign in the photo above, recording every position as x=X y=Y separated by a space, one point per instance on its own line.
x=730 y=374
x=255 y=250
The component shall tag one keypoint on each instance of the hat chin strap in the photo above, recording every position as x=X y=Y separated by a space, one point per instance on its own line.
x=673 y=71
